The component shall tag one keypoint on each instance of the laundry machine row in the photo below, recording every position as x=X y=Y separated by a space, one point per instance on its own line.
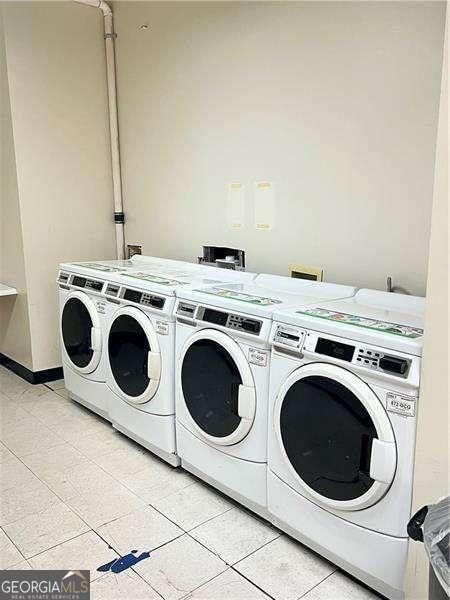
x=223 y=362
x=300 y=406
x=84 y=314
x=117 y=333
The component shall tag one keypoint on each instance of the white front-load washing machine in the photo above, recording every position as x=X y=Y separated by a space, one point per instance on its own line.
x=342 y=424
x=82 y=329
x=140 y=347
x=222 y=378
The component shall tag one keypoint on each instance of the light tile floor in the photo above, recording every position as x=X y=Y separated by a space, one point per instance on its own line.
x=75 y=494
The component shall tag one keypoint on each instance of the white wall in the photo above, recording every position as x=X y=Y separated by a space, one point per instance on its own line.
x=15 y=339
x=56 y=69
x=432 y=466
x=335 y=102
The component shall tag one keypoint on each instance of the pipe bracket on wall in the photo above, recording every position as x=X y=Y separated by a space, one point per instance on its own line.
x=119 y=217
x=110 y=35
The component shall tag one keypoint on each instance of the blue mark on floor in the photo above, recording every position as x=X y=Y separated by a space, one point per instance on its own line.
x=124 y=562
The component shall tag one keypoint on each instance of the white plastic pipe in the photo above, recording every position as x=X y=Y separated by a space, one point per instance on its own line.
x=109 y=34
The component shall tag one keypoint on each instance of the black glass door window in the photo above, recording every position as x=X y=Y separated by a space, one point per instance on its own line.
x=128 y=349
x=211 y=380
x=76 y=324
x=327 y=434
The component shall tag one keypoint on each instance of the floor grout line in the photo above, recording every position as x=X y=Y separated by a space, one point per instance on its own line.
x=13 y=543
x=316 y=585
x=208 y=520
x=153 y=550
x=254 y=551
x=232 y=565
x=253 y=583
x=59 y=544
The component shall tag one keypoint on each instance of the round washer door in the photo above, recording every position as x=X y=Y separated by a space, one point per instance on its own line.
x=81 y=333
x=336 y=436
x=217 y=386
x=133 y=356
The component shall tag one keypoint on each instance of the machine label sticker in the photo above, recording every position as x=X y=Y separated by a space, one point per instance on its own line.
x=101 y=306
x=155 y=278
x=402 y=405
x=257 y=357
x=162 y=328
x=348 y=319
x=99 y=267
x=241 y=297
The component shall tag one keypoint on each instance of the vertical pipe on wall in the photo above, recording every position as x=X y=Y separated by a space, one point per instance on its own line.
x=109 y=34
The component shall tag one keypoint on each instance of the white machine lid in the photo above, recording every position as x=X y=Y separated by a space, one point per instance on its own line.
x=98 y=268
x=156 y=274
x=180 y=269
x=265 y=294
x=137 y=263
x=167 y=282
x=292 y=285
x=393 y=321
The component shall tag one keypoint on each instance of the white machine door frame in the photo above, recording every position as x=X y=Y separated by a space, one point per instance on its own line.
x=217 y=387
x=83 y=309
x=325 y=399
x=135 y=369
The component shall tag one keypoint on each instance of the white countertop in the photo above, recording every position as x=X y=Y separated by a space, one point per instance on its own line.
x=6 y=290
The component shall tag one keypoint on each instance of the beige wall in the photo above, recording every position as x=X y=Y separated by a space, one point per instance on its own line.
x=56 y=69
x=334 y=102
x=15 y=340
x=432 y=467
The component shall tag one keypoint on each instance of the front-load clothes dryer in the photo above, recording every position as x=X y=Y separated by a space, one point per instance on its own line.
x=140 y=346
x=342 y=423
x=222 y=378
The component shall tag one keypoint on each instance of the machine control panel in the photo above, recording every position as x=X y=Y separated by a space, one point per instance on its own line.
x=239 y=322
x=151 y=300
x=229 y=320
x=88 y=284
x=143 y=298
x=290 y=337
x=374 y=359
x=367 y=357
